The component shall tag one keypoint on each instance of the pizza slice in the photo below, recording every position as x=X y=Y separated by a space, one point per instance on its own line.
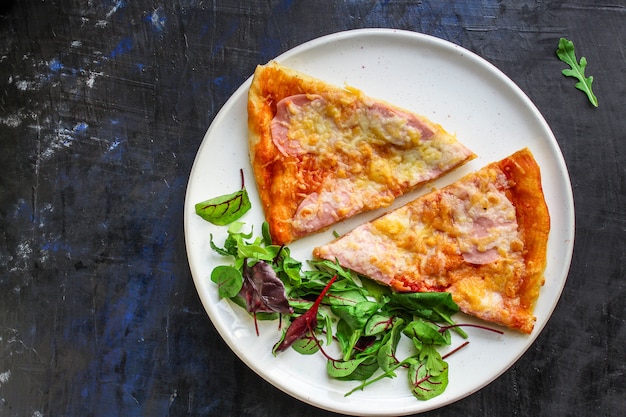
x=482 y=238
x=321 y=153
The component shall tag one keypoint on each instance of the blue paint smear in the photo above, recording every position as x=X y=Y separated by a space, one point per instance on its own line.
x=55 y=65
x=23 y=211
x=203 y=30
x=270 y=48
x=224 y=85
x=125 y=45
x=80 y=127
x=115 y=152
x=285 y=4
x=56 y=247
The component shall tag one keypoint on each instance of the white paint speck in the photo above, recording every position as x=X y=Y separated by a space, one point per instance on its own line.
x=92 y=78
x=24 y=85
x=61 y=139
x=24 y=250
x=4 y=377
x=115 y=8
x=12 y=120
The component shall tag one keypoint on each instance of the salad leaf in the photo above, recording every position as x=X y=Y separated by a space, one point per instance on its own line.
x=307 y=345
x=343 y=369
x=263 y=291
x=427 y=333
x=433 y=306
x=368 y=321
x=380 y=323
x=228 y=279
x=386 y=356
x=346 y=297
x=424 y=383
x=302 y=324
x=566 y=53
x=224 y=209
x=356 y=315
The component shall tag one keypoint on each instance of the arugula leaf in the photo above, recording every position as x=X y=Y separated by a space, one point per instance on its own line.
x=566 y=53
x=432 y=360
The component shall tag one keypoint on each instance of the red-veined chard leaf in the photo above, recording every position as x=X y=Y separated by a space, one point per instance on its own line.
x=358 y=369
x=345 y=297
x=224 y=209
x=379 y=323
x=424 y=385
x=306 y=345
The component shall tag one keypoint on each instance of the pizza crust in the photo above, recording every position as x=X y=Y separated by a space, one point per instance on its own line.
x=272 y=83
x=533 y=220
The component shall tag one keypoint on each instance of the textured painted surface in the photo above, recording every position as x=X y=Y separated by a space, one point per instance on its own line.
x=103 y=105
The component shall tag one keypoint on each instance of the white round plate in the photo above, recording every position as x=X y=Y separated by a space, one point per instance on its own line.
x=453 y=87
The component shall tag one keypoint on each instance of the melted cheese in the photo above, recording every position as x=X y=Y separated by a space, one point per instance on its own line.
x=382 y=150
x=472 y=226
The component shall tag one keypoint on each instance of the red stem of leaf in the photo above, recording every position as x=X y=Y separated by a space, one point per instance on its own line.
x=256 y=324
x=455 y=350
x=318 y=301
x=478 y=326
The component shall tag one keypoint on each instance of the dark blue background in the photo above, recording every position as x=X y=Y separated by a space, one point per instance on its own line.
x=103 y=105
